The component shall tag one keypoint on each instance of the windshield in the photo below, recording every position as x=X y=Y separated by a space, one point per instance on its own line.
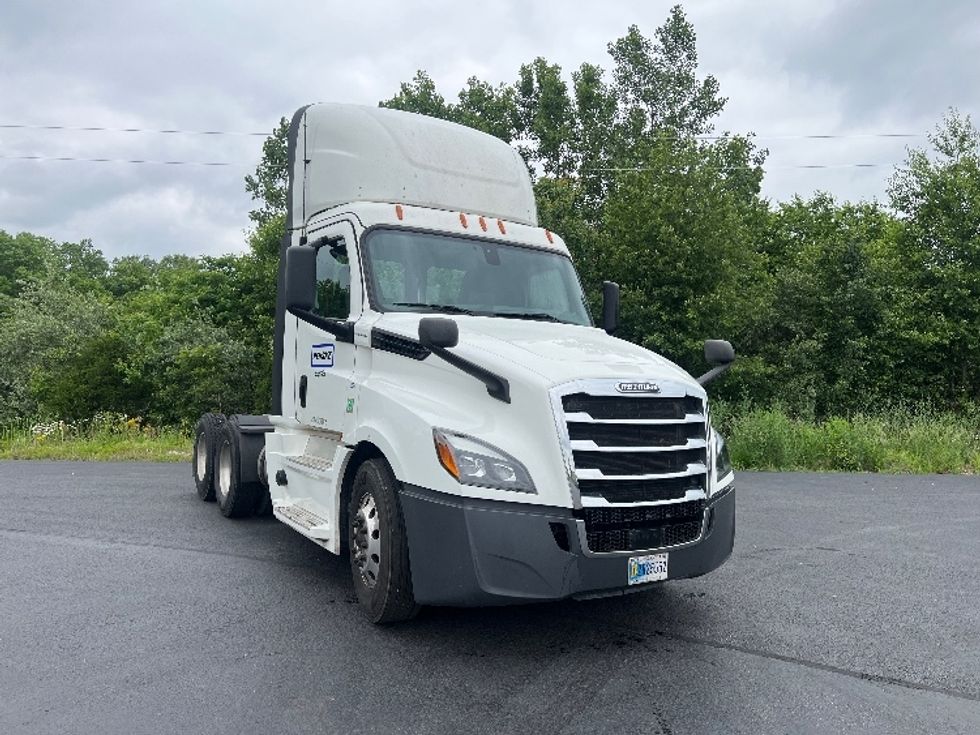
x=413 y=271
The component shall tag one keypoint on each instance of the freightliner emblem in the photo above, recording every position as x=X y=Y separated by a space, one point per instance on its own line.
x=638 y=388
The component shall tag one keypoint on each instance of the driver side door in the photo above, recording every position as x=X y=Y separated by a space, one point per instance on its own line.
x=325 y=360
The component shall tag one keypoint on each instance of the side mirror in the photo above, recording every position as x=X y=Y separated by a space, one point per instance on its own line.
x=435 y=331
x=721 y=354
x=610 y=306
x=718 y=352
x=300 y=277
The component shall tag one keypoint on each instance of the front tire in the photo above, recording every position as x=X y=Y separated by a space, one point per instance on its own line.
x=202 y=461
x=379 y=545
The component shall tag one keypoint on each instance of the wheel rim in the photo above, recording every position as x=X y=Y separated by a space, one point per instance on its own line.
x=201 y=452
x=366 y=540
x=224 y=470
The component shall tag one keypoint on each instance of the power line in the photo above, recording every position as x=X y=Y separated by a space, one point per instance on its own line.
x=806 y=166
x=810 y=166
x=176 y=131
x=115 y=160
x=816 y=136
x=93 y=128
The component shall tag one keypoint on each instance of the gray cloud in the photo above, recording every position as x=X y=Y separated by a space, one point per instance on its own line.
x=787 y=68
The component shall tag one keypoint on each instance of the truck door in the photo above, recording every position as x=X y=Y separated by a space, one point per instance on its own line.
x=325 y=390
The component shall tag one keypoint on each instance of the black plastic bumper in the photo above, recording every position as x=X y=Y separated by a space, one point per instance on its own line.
x=476 y=552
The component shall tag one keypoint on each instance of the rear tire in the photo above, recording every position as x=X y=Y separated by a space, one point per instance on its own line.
x=236 y=499
x=379 y=545
x=202 y=462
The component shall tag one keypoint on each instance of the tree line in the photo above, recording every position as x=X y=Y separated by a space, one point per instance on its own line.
x=834 y=307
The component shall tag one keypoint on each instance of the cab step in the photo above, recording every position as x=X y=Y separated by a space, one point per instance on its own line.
x=303 y=520
x=309 y=465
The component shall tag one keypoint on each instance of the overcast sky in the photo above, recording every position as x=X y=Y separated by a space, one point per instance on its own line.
x=789 y=68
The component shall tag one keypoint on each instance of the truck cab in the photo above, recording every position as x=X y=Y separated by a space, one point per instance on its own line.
x=446 y=413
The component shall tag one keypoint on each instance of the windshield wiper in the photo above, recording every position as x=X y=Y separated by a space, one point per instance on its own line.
x=537 y=315
x=448 y=308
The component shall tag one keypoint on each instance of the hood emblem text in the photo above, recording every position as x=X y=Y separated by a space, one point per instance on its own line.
x=638 y=387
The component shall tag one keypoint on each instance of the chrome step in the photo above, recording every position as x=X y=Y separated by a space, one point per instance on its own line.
x=303 y=520
x=308 y=464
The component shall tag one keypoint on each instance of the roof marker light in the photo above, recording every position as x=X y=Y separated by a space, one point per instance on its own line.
x=547 y=233
x=483 y=224
x=462 y=220
x=500 y=226
x=399 y=212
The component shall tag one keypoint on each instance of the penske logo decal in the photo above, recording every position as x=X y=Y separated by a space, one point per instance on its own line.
x=321 y=355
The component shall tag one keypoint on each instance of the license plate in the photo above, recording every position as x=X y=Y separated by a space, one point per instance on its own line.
x=651 y=568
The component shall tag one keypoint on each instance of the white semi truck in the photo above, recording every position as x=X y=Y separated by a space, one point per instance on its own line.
x=445 y=411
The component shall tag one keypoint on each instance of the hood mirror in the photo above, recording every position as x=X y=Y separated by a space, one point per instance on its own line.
x=437 y=331
x=721 y=354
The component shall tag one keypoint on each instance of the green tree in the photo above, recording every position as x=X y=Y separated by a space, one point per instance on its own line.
x=834 y=302
x=939 y=200
x=42 y=333
x=678 y=236
x=269 y=185
x=24 y=258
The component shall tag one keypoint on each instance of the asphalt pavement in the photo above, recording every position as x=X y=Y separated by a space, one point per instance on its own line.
x=851 y=604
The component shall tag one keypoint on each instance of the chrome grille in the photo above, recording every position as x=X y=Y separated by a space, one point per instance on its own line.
x=646 y=452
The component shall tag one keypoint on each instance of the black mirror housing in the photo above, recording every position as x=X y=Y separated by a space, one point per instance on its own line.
x=300 y=277
x=610 y=306
x=718 y=352
x=436 y=331
x=721 y=354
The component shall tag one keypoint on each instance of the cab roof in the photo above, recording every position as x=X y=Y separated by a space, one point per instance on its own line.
x=349 y=153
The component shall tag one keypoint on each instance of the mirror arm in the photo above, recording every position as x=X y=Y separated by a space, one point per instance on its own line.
x=714 y=373
x=497 y=386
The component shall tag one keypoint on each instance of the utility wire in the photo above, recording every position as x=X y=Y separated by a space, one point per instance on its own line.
x=810 y=166
x=115 y=160
x=175 y=131
x=90 y=129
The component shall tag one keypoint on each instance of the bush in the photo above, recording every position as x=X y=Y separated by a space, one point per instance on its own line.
x=897 y=441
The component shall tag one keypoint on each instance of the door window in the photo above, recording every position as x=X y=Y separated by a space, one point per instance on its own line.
x=332 y=281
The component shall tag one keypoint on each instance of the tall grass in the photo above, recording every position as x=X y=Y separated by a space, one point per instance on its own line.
x=104 y=437
x=898 y=440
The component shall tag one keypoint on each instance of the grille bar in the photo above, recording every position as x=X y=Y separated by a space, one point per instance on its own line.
x=633 y=407
x=639 y=463
x=589 y=445
x=637 y=434
x=638 y=491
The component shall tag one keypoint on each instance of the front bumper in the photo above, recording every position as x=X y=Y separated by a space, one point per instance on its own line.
x=474 y=552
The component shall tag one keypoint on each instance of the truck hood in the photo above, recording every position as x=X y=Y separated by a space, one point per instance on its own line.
x=558 y=353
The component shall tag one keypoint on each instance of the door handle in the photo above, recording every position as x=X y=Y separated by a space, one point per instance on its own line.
x=302 y=391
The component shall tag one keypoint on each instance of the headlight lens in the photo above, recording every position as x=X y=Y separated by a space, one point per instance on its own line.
x=473 y=462
x=723 y=464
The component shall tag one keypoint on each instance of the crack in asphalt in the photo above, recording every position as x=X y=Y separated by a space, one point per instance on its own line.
x=640 y=637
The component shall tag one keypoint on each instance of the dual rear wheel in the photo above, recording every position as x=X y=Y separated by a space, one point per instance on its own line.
x=216 y=462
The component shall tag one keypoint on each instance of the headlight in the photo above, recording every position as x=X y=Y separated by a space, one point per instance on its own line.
x=473 y=462
x=724 y=473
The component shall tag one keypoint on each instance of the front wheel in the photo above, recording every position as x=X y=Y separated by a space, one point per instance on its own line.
x=379 y=546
